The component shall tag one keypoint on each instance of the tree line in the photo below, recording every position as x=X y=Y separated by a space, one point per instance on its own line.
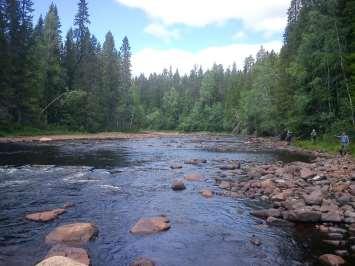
x=79 y=84
x=76 y=83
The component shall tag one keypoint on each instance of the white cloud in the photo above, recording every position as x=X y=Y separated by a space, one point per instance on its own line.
x=162 y=32
x=258 y=15
x=152 y=60
x=239 y=35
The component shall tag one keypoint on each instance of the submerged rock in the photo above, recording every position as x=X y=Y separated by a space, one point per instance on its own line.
x=143 y=262
x=59 y=261
x=45 y=216
x=206 y=193
x=176 y=166
x=331 y=260
x=195 y=161
x=76 y=233
x=151 y=225
x=194 y=177
x=178 y=185
x=77 y=254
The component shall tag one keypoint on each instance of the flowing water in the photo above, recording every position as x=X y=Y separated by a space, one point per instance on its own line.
x=115 y=183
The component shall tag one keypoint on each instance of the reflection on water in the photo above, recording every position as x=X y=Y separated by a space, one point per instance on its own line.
x=113 y=184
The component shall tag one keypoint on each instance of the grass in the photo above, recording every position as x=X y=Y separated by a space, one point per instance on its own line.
x=30 y=131
x=325 y=143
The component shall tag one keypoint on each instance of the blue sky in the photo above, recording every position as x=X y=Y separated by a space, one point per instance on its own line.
x=182 y=33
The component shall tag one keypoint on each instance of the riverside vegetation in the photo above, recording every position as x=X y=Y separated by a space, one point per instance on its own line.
x=79 y=84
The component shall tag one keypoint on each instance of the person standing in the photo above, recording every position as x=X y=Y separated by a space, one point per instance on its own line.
x=344 y=143
x=313 y=135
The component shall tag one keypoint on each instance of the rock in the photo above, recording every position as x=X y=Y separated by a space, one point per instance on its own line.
x=342 y=253
x=306 y=173
x=224 y=185
x=302 y=215
x=266 y=213
x=45 y=216
x=331 y=260
x=143 y=262
x=45 y=139
x=255 y=242
x=233 y=166
x=206 y=193
x=68 y=205
x=315 y=198
x=178 y=185
x=175 y=166
x=333 y=216
x=77 y=254
x=294 y=204
x=335 y=243
x=278 y=222
x=151 y=225
x=59 y=261
x=76 y=233
x=195 y=161
x=194 y=177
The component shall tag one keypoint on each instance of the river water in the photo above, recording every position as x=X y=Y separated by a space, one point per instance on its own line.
x=115 y=183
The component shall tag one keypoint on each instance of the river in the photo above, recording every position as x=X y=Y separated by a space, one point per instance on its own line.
x=113 y=183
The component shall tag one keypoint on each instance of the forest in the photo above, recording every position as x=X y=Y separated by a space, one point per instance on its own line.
x=78 y=84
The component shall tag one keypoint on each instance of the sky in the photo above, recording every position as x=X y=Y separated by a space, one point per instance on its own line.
x=182 y=33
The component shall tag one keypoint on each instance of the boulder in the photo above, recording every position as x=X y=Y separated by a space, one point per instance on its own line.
x=77 y=254
x=315 y=198
x=143 y=262
x=206 y=193
x=194 y=177
x=59 y=261
x=45 y=216
x=306 y=173
x=76 y=233
x=151 y=225
x=278 y=222
x=178 y=185
x=332 y=216
x=266 y=213
x=224 y=185
x=302 y=215
x=294 y=204
x=331 y=260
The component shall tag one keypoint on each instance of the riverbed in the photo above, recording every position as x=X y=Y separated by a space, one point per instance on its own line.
x=113 y=183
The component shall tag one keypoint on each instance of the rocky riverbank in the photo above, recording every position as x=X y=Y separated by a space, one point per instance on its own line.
x=321 y=193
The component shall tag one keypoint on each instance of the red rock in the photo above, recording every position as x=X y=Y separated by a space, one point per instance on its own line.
x=306 y=173
x=178 y=185
x=45 y=216
x=331 y=260
x=302 y=215
x=315 y=198
x=151 y=225
x=194 y=177
x=77 y=233
x=59 y=261
x=224 y=185
x=266 y=213
x=206 y=193
x=77 y=254
x=143 y=262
